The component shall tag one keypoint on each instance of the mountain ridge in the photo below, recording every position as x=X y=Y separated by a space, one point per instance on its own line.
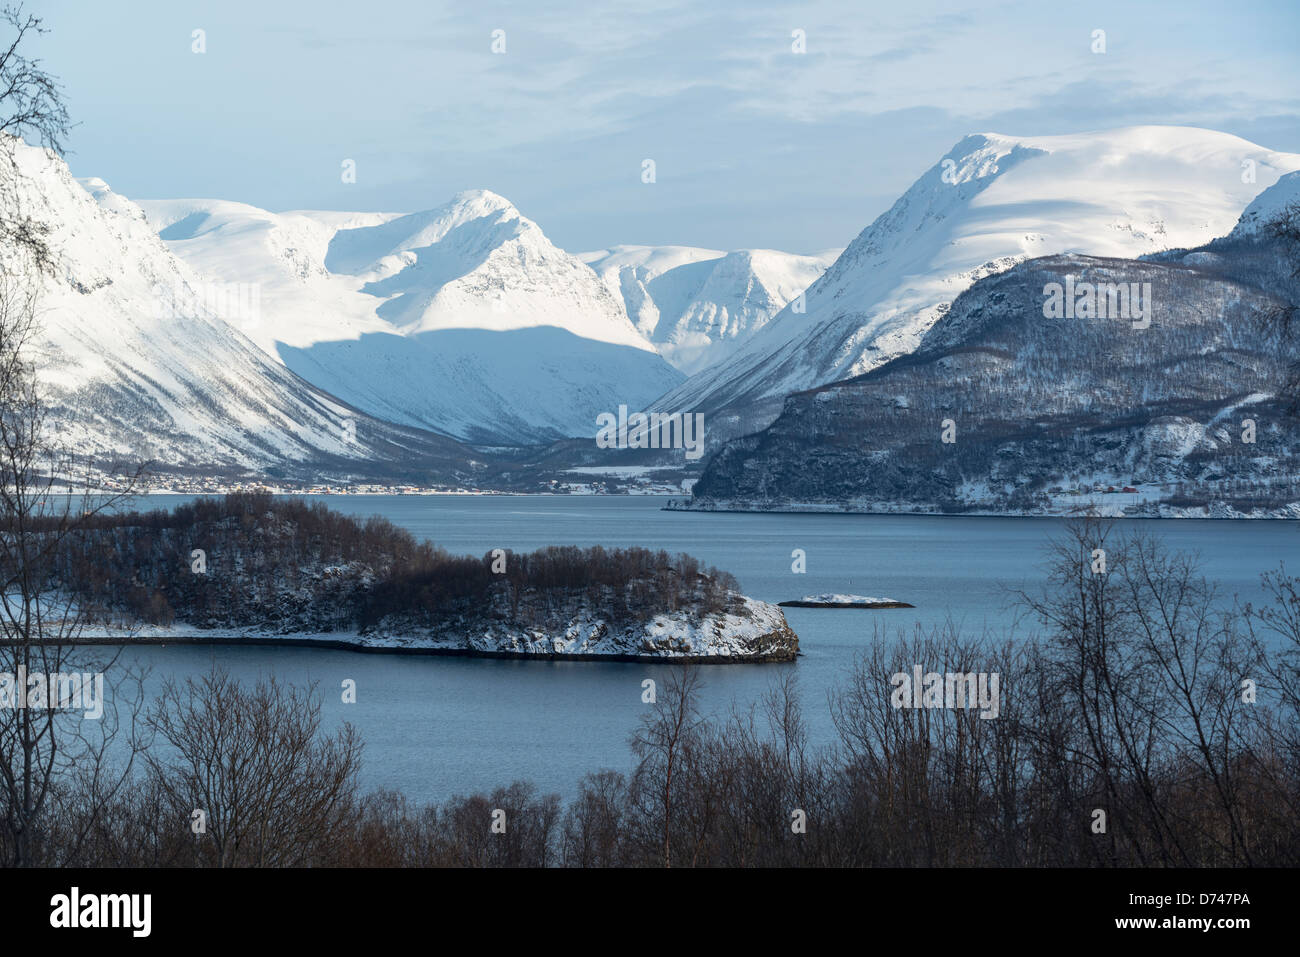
x=401 y=314
x=991 y=202
x=137 y=369
x=697 y=305
x=1009 y=406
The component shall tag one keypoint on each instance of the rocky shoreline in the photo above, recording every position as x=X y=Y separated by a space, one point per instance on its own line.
x=759 y=634
x=338 y=644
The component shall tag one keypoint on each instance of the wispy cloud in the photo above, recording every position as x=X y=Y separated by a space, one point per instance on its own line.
x=755 y=144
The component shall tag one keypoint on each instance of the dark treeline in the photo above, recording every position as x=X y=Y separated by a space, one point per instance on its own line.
x=290 y=565
x=1149 y=723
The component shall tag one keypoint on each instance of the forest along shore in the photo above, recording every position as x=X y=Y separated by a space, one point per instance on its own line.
x=268 y=571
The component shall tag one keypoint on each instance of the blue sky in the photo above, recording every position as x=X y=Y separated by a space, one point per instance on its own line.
x=754 y=145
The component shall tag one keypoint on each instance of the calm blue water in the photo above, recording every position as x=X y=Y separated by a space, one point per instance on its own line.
x=434 y=727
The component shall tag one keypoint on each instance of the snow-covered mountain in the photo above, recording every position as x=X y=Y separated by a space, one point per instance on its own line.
x=992 y=202
x=1184 y=405
x=698 y=305
x=138 y=369
x=1285 y=192
x=464 y=319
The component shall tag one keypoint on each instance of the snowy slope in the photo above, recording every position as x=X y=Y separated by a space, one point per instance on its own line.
x=464 y=319
x=1285 y=192
x=282 y=253
x=1190 y=413
x=993 y=201
x=132 y=380
x=698 y=305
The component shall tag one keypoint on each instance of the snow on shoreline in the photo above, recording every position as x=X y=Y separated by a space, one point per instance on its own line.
x=829 y=600
x=760 y=633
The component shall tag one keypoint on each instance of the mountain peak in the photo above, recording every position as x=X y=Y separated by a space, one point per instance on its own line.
x=381 y=249
x=991 y=202
x=143 y=363
x=483 y=199
x=699 y=304
x=463 y=318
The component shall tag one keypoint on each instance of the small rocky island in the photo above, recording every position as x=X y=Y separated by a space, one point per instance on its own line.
x=249 y=568
x=843 y=601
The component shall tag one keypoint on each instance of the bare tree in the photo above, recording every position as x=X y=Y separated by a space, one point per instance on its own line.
x=594 y=822
x=31 y=107
x=1275 y=632
x=273 y=789
x=1149 y=667
x=47 y=751
x=41 y=516
x=1197 y=658
x=31 y=100
x=663 y=743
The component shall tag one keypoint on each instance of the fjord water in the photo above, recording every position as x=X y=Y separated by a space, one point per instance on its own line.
x=434 y=727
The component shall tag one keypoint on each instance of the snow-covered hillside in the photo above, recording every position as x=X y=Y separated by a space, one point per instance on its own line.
x=1285 y=192
x=139 y=369
x=464 y=319
x=697 y=305
x=993 y=201
x=1185 y=409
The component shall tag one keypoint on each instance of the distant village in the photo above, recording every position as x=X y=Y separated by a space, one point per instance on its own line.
x=218 y=485
x=171 y=485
